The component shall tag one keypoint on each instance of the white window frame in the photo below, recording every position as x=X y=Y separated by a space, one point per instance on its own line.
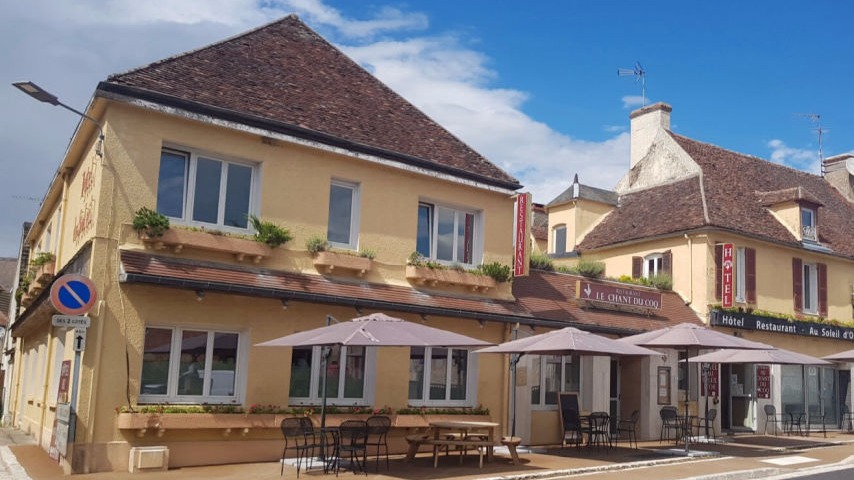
x=809 y=287
x=541 y=359
x=555 y=243
x=356 y=199
x=477 y=233
x=192 y=156
x=657 y=260
x=173 y=378
x=740 y=275
x=809 y=231
x=471 y=381
x=315 y=387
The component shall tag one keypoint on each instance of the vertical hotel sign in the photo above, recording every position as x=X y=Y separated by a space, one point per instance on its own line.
x=727 y=276
x=522 y=235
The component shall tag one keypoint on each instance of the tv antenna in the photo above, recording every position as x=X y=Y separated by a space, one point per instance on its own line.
x=640 y=75
x=816 y=119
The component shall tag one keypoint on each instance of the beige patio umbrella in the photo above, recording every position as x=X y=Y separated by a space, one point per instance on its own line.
x=565 y=341
x=687 y=335
x=846 y=356
x=778 y=356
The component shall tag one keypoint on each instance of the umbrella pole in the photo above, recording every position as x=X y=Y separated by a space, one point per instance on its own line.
x=706 y=368
x=513 y=363
x=687 y=389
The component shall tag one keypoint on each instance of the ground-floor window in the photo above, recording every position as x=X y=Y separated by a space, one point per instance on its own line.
x=810 y=390
x=190 y=365
x=441 y=376
x=551 y=374
x=349 y=375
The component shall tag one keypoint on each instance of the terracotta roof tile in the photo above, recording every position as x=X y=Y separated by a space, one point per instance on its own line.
x=287 y=73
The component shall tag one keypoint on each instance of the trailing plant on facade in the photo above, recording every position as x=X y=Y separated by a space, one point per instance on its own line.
x=479 y=410
x=150 y=223
x=416 y=259
x=269 y=233
x=661 y=281
x=498 y=271
x=317 y=244
x=43 y=258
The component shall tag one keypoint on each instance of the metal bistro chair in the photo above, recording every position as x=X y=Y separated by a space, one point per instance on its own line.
x=599 y=432
x=796 y=421
x=378 y=427
x=847 y=418
x=707 y=422
x=627 y=427
x=669 y=423
x=352 y=440
x=572 y=429
x=299 y=439
x=771 y=416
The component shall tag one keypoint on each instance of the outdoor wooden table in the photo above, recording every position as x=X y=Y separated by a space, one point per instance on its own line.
x=466 y=428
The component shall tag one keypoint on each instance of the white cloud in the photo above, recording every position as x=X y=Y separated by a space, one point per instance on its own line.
x=799 y=158
x=387 y=19
x=633 y=101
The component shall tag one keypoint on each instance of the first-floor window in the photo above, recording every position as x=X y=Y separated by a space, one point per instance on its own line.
x=653 y=265
x=347 y=369
x=559 y=240
x=551 y=374
x=810 y=285
x=190 y=365
x=446 y=234
x=441 y=376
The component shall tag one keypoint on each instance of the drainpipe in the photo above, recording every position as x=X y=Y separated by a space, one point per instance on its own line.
x=690 y=269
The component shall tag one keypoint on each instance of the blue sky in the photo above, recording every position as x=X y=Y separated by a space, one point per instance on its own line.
x=531 y=85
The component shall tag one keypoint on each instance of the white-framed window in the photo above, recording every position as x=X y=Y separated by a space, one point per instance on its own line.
x=449 y=234
x=559 y=239
x=192 y=365
x=808 y=226
x=199 y=189
x=740 y=275
x=350 y=375
x=653 y=264
x=551 y=374
x=343 y=228
x=442 y=376
x=810 y=288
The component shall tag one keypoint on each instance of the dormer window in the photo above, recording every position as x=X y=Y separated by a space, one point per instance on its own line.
x=808 y=226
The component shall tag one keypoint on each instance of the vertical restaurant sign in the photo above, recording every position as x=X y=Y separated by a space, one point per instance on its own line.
x=522 y=235
x=763 y=381
x=61 y=397
x=727 y=277
x=713 y=381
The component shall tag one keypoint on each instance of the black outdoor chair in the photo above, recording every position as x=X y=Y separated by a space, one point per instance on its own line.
x=771 y=416
x=708 y=421
x=300 y=439
x=796 y=421
x=846 y=419
x=573 y=432
x=599 y=431
x=352 y=442
x=378 y=427
x=670 y=422
x=627 y=428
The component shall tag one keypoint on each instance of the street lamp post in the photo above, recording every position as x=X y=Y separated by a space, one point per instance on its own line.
x=44 y=96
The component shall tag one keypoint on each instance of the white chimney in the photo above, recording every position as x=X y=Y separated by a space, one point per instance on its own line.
x=646 y=122
x=839 y=172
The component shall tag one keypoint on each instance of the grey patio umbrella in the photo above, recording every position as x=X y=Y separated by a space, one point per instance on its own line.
x=374 y=330
x=846 y=356
x=776 y=356
x=565 y=341
x=687 y=335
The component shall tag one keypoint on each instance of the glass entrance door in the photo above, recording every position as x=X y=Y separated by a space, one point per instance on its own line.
x=821 y=394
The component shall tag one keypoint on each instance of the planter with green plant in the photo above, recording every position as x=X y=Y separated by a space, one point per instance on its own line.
x=269 y=233
x=149 y=223
x=425 y=272
x=41 y=272
x=327 y=261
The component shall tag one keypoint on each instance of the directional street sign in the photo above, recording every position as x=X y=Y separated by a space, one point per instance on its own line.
x=79 y=339
x=73 y=294
x=70 y=321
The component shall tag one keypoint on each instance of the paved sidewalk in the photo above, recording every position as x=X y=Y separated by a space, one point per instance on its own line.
x=741 y=458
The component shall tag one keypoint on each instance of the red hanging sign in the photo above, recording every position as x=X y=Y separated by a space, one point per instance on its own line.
x=522 y=235
x=763 y=381
x=727 y=276
x=713 y=378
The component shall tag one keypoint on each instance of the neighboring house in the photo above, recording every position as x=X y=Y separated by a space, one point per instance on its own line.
x=539 y=229
x=279 y=124
x=745 y=242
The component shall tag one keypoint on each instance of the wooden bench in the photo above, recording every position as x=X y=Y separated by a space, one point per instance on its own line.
x=463 y=444
x=511 y=443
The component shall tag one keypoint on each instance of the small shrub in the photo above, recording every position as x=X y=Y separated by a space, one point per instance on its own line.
x=457 y=267
x=367 y=253
x=150 y=223
x=269 y=233
x=317 y=244
x=541 y=261
x=416 y=259
x=43 y=258
x=496 y=270
x=590 y=269
x=661 y=281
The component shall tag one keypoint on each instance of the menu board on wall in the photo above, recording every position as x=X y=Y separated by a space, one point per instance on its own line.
x=714 y=379
x=763 y=381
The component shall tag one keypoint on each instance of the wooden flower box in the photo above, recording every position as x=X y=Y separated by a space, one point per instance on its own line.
x=178 y=238
x=330 y=261
x=435 y=277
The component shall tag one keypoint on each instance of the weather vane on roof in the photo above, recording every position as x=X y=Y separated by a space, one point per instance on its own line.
x=816 y=118
x=640 y=75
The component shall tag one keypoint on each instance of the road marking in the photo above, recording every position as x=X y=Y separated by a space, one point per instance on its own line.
x=793 y=460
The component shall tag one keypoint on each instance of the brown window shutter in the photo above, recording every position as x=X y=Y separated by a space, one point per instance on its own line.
x=719 y=258
x=797 y=284
x=637 y=267
x=667 y=262
x=750 y=274
x=822 y=289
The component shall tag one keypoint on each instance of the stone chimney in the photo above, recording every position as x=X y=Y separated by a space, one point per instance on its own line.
x=839 y=172
x=646 y=122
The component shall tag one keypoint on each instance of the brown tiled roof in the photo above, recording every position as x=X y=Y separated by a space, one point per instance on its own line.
x=793 y=194
x=540 y=223
x=551 y=295
x=8 y=267
x=542 y=298
x=731 y=183
x=287 y=74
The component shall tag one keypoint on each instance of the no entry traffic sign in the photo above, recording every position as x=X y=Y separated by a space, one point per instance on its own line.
x=73 y=294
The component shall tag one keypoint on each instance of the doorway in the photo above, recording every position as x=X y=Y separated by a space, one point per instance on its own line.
x=738 y=397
